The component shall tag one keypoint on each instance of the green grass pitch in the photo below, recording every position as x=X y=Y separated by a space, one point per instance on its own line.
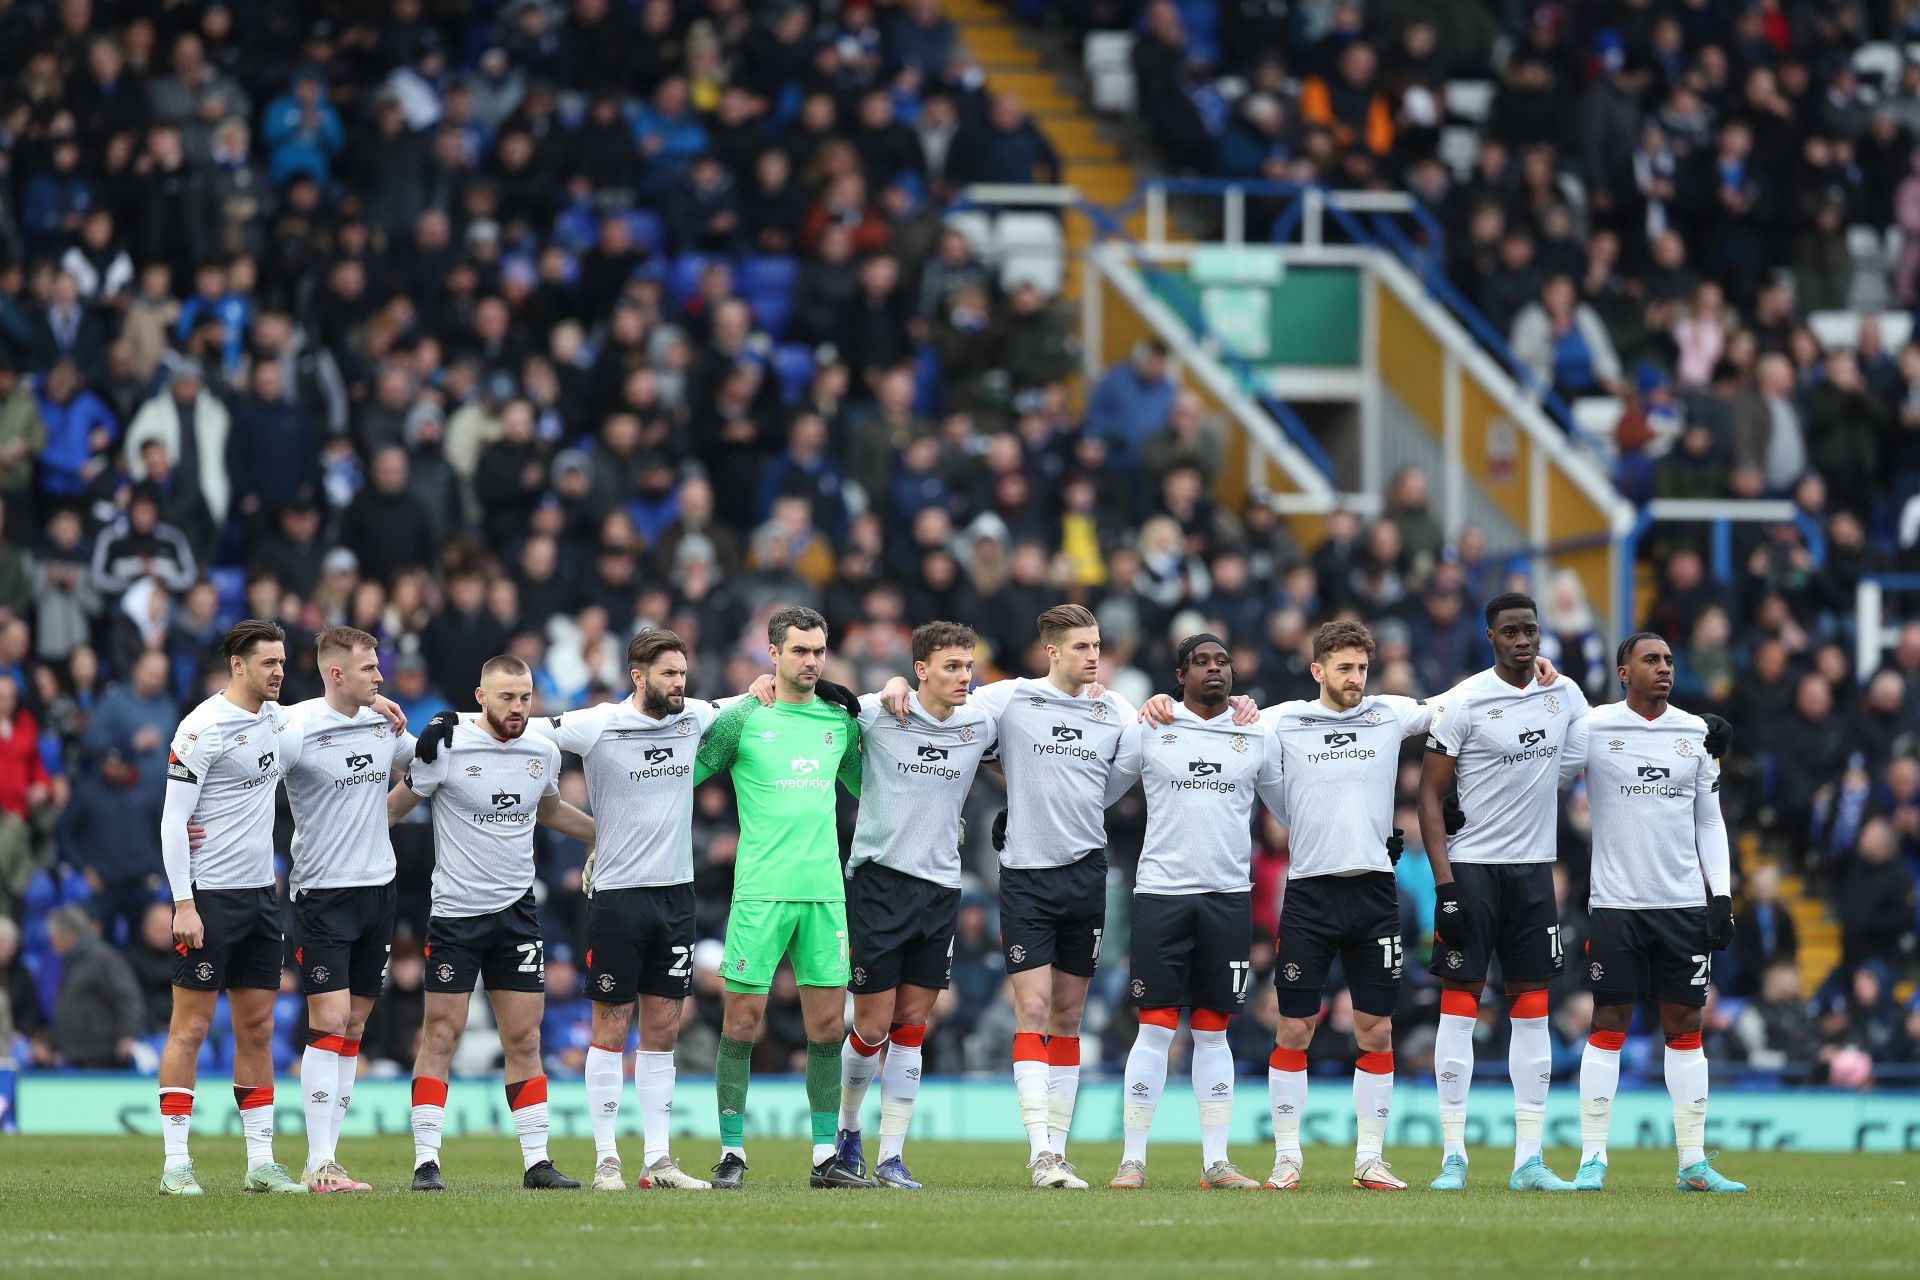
x=88 y=1206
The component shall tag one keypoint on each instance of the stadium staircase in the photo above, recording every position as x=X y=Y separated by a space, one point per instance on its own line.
x=1090 y=163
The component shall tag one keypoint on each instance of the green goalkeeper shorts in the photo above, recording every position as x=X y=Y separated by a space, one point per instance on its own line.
x=760 y=931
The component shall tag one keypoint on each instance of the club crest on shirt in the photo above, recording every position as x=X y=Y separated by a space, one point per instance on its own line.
x=1683 y=746
x=966 y=733
x=1373 y=716
x=828 y=736
x=380 y=730
x=203 y=971
x=684 y=728
x=1100 y=712
x=1238 y=742
x=535 y=768
x=1553 y=705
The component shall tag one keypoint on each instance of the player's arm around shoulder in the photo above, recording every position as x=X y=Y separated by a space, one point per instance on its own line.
x=850 y=753
x=720 y=742
x=290 y=734
x=1129 y=758
x=1271 y=781
x=1415 y=715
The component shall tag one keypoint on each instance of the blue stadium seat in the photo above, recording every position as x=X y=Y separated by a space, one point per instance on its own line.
x=793 y=364
x=74 y=888
x=684 y=281
x=771 y=312
x=231 y=583
x=762 y=273
x=646 y=230
x=43 y=895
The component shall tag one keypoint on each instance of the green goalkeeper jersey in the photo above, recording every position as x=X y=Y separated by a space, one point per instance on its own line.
x=784 y=760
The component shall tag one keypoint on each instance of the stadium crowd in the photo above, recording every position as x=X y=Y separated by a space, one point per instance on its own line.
x=520 y=326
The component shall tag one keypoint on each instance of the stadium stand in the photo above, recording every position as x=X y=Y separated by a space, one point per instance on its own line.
x=489 y=327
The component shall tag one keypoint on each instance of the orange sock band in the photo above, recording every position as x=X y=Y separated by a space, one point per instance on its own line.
x=1209 y=1020
x=1461 y=1004
x=908 y=1035
x=349 y=1048
x=862 y=1048
x=428 y=1092
x=249 y=1097
x=1528 y=1004
x=1168 y=1018
x=176 y=1102
x=1375 y=1064
x=530 y=1092
x=1063 y=1051
x=1029 y=1046
x=330 y=1044
x=1288 y=1059
x=1691 y=1040
x=1608 y=1040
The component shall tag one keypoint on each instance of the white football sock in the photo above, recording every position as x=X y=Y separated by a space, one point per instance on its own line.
x=1146 y=1079
x=859 y=1064
x=1030 y=1080
x=530 y=1118
x=1453 y=1072
x=319 y=1078
x=1599 y=1081
x=605 y=1075
x=1213 y=1090
x=1063 y=1085
x=1530 y=1064
x=1687 y=1087
x=176 y=1120
x=899 y=1087
x=343 y=1082
x=1372 y=1100
x=429 y=1119
x=653 y=1076
x=256 y=1124
x=1287 y=1097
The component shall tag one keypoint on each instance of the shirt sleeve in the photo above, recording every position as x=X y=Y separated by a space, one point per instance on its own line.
x=574 y=731
x=1451 y=721
x=1271 y=780
x=290 y=737
x=404 y=747
x=720 y=743
x=849 y=771
x=553 y=771
x=993 y=698
x=1573 y=752
x=426 y=777
x=188 y=759
x=1128 y=758
x=1415 y=716
x=1710 y=830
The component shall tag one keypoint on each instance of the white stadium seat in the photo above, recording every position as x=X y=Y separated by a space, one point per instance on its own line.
x=1470 y=99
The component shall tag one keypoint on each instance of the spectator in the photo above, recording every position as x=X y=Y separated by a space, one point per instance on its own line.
x=66 y=603
x=1564 y=345
x=23 y=436
x=1131 y=402
x=81 y=434
x=274 y=454
x=385 y=528
x=26 y=796
x=110 y=831
x=191 y=426
x=141 y=548
x=1009 y=148
x=98 y=1012
x=1845 y=423
x=19 y=1002
x=1764 y=936
x=1775 y=1032
x=150 y=954
x=1875 y=898
x=1349 y=104
x=302 y=131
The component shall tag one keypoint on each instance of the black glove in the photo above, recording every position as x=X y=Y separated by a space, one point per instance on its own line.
x=839 y=695
x=1451 y=814
x=1719 y=736
x=1396 y=845
x=1720 y=922
x=1452 y=925
x=437 y=734
x=1000 y=830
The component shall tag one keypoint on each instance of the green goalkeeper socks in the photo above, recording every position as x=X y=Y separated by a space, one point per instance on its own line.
x=730 y=1075
x=823 y=1088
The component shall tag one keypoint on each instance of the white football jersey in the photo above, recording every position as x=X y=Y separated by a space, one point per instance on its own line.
x=1201 y=778
x=337 y=780
x=234 y=757
x=1658 y=837
x=914 y=780
x=1507 y=745
x=1056 y=752
x=485 y=795
x=1342 y=768
x=640 y=784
